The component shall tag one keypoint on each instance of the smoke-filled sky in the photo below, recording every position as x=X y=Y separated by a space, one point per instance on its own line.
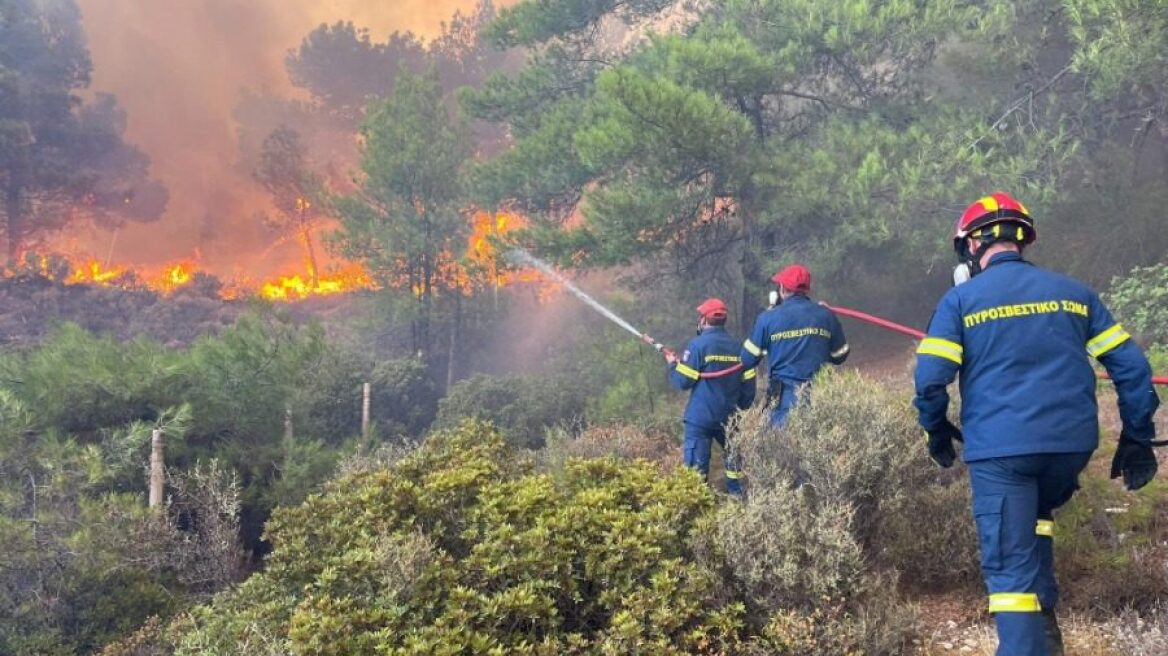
x=178 y=67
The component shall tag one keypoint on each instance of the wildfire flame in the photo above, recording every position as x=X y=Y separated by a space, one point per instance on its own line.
x=478 y=268
x=295 y=287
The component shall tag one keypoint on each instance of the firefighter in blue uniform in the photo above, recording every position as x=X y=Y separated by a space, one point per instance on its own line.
x=1019 y=337
x=711 y=369
x=798 y=337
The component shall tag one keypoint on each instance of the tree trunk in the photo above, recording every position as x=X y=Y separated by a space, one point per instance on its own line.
x=310 y=251
x=453 y=351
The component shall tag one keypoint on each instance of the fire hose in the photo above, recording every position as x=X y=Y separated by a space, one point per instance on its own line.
x=668 y=353
x=916 y=334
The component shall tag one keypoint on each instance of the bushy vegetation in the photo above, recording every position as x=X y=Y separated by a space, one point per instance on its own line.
x=459 y=547
x=463 y=542
x=1140 y=301
x=82 y=560
x=274 y=406
x=522 y=407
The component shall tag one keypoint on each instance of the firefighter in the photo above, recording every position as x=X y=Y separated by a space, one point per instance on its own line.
x=798 y=337
x=713 y=397
x=1019 y=337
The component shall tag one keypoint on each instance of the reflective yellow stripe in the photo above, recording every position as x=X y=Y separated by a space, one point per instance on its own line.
x=751 y=348
x=1045 y=528
x=941 y=348
x=1107 y=340
x=1014 y=602
x=733 y=474
x=687 y=371
x=842 y=350
x=749 y=374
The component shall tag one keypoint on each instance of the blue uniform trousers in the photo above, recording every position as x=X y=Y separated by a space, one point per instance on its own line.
x=788 y=397
x=1013 y=501
x=698 y=443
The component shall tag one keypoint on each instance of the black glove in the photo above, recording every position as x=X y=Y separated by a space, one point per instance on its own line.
x=941 y=444
x=1135 y=460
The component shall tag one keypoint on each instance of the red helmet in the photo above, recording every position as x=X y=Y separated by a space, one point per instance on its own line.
x=795 y=278
x=997 y=208
x=713 y=308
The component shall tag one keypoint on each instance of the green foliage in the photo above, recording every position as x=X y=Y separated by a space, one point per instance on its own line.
x=82 y=565
x=728 y=140
x=522 y=407
x=1120 y=45
x=456 y=549
x=238 y=388
x=1140 y=301
x=406 y=219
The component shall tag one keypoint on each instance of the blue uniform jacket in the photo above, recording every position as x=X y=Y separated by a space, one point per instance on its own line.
x=799 y=337
x=1021 y=337
x=712 y=400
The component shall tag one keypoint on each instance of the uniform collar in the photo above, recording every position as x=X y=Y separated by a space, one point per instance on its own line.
x=1006 y=256
x=797 y=297
x=713 y=329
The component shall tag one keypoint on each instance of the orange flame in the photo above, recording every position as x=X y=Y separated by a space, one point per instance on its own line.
x=295 y=287
x=477 y=269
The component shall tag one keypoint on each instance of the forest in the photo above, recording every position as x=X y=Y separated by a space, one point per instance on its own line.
x=430 y=447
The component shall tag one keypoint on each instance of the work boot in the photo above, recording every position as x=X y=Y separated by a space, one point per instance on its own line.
x=1054 y=636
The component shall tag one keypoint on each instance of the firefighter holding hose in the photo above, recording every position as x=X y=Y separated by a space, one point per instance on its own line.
x=711 y=369
x=798 y=337
x=1019 y=337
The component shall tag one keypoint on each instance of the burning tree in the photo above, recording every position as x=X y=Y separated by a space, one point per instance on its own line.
x=61 y=160
x=404 y=223
x=296 y=190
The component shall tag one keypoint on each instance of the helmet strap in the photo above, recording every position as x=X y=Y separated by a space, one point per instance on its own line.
x=972 y=259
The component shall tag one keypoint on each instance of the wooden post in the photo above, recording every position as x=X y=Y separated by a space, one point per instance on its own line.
x=365 y=391
x=157 y=473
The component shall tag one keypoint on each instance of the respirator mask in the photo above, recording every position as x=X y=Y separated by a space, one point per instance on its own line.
x=773 y=298
x=962 y=273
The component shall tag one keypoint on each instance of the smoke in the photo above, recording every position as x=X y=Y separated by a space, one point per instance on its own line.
x=179 y=69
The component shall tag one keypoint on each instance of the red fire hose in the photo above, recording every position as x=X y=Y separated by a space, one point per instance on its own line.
x=916 y=334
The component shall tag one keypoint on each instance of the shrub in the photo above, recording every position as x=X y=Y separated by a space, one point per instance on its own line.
x=657 y=443
x=81 y=565
x=458 y=549
x=857 y=442
x=831 y=522
x=522 y=407
x=1140 y=301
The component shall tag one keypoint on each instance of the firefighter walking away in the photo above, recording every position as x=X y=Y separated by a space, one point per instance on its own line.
x=1020 y=339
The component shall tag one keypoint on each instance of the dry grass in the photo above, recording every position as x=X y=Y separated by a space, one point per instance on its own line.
x=659 y=444
x=1126 y=635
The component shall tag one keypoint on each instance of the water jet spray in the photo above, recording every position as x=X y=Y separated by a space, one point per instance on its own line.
x=522 y=257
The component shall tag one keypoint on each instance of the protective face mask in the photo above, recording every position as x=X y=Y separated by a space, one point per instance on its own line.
x=773 y=297
x=962 y=273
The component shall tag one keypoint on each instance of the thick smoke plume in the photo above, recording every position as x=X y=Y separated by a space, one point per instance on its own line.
x=179 y=68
